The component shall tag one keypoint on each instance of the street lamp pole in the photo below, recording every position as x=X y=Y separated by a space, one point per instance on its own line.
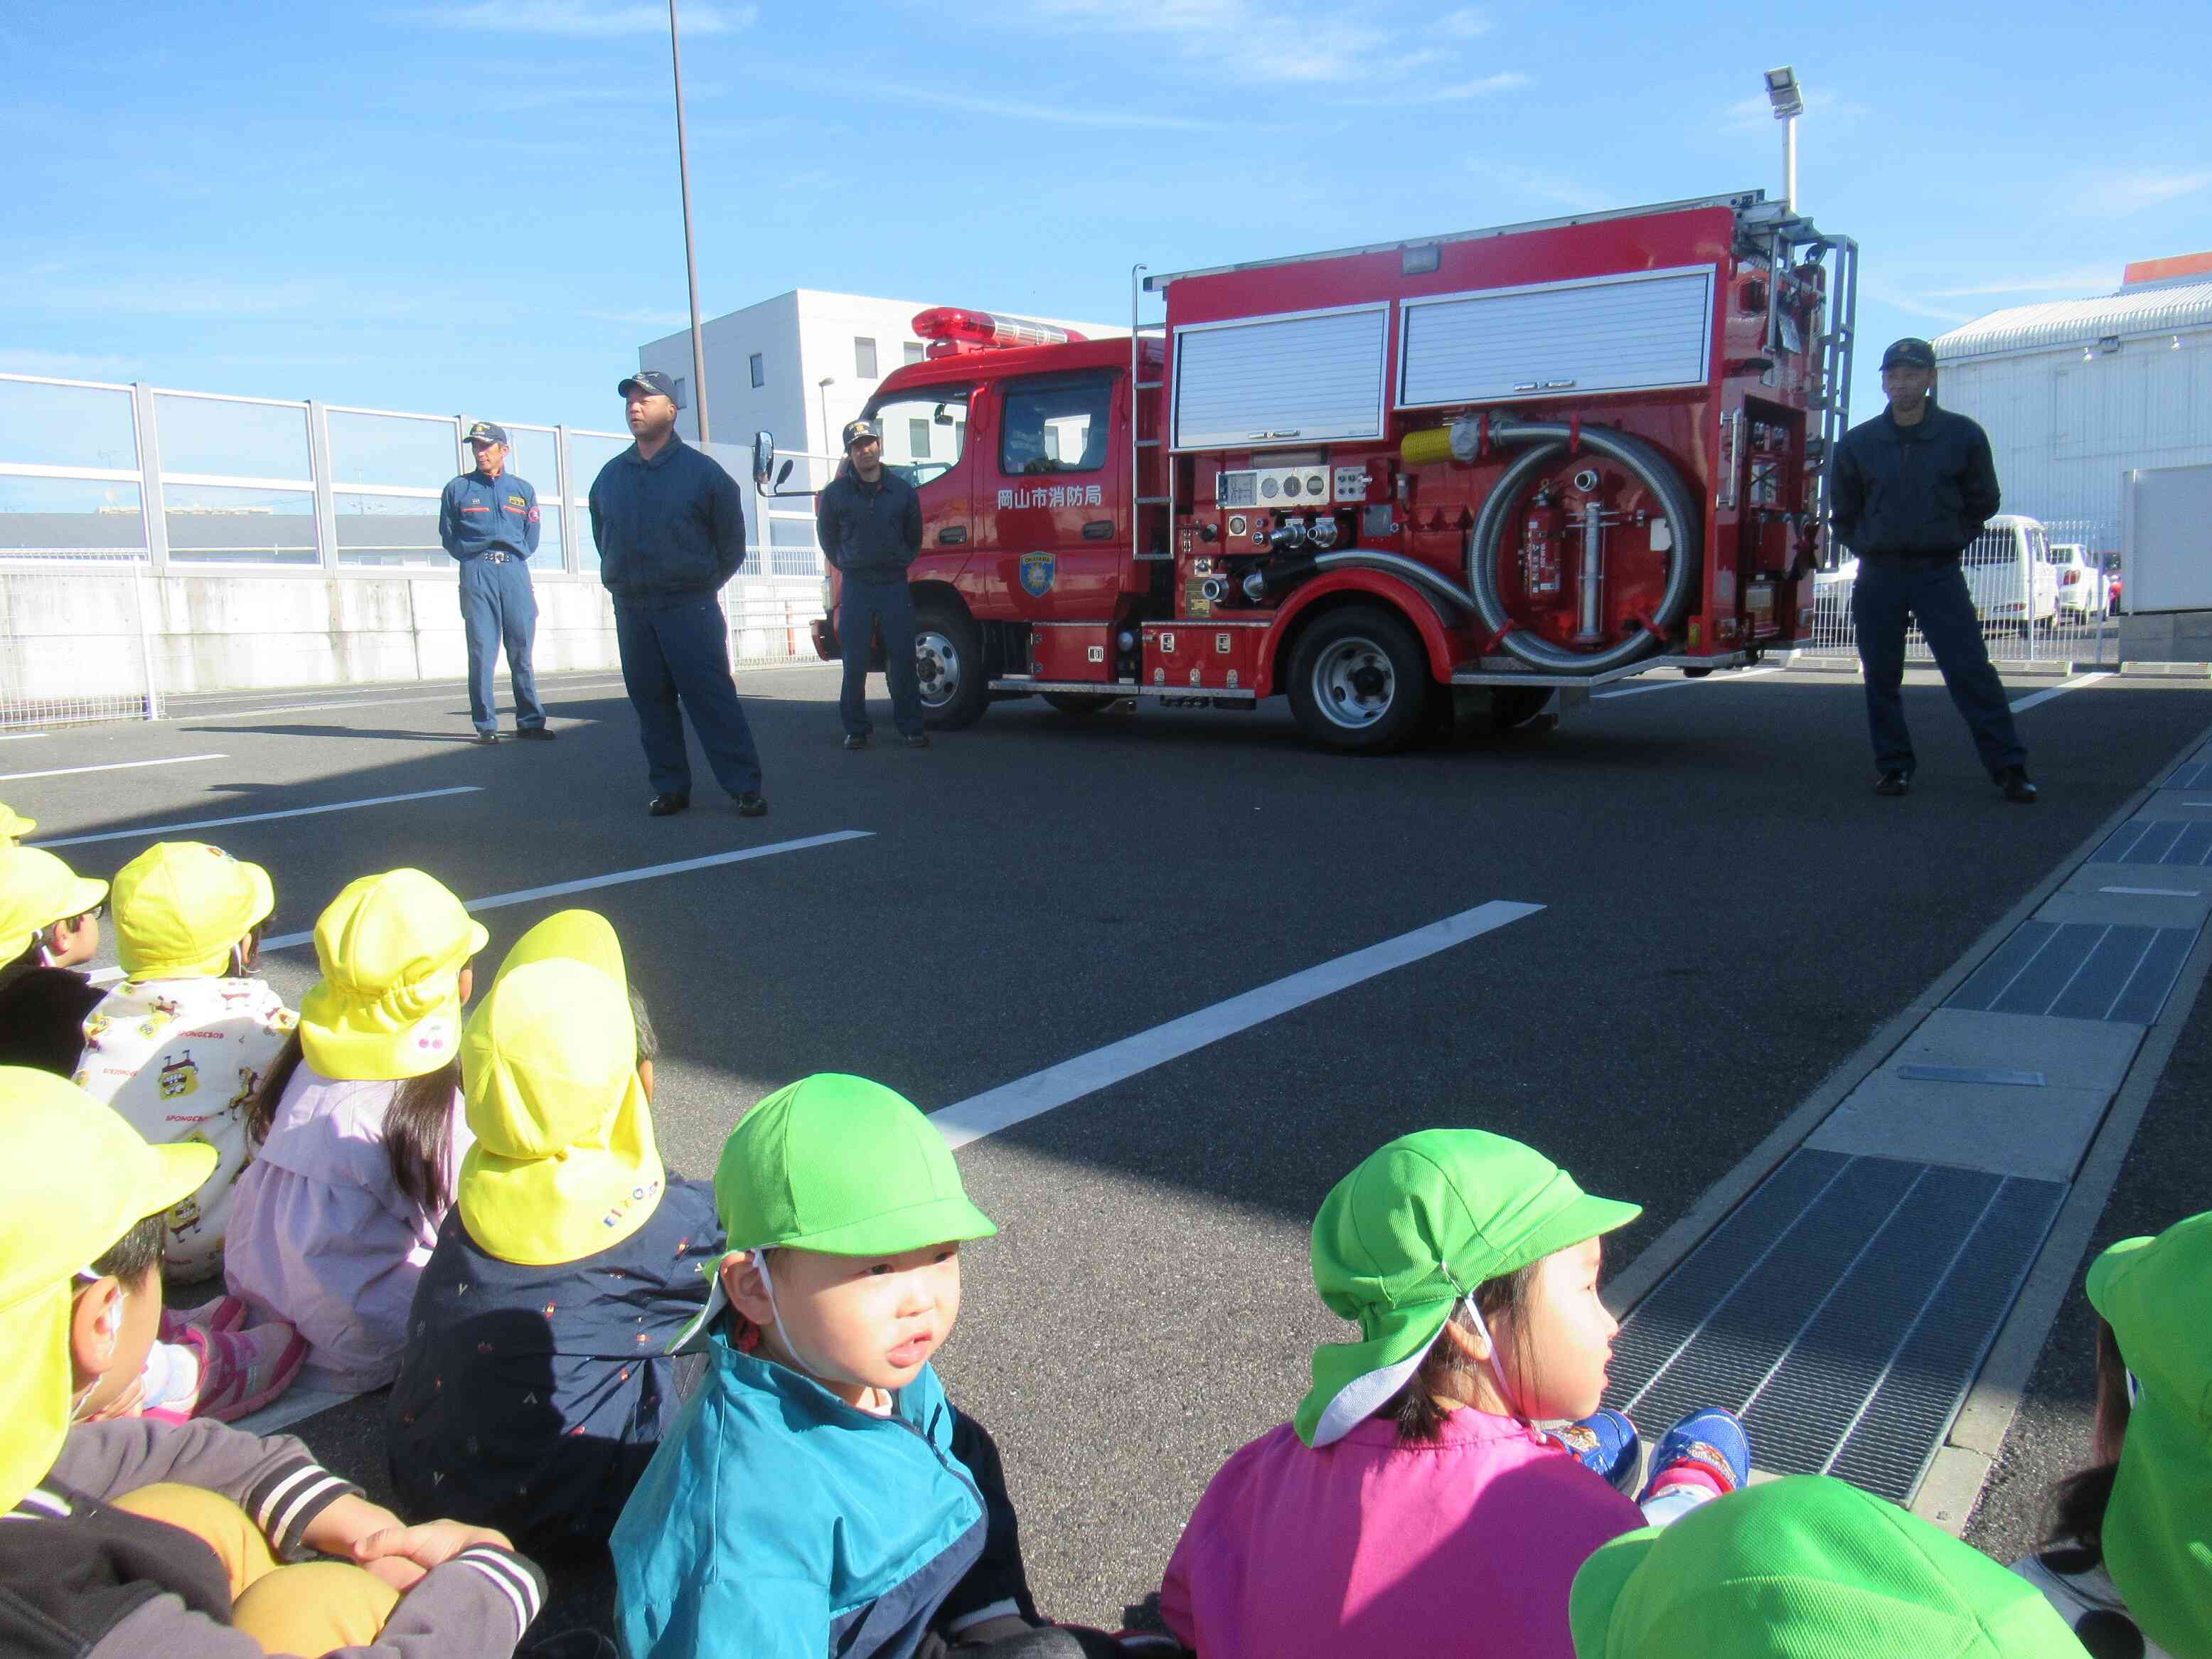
x=1788 y=99
x=822 y=390
x=690 y=260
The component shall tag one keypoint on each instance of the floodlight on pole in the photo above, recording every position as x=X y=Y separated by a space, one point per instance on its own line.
x=1788 y=99
x=822 y=390
x=691 y=261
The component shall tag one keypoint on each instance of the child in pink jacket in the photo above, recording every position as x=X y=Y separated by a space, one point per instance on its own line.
x=1412 y=1506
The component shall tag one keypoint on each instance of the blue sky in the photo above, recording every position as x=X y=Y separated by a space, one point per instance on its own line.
x=473 y=206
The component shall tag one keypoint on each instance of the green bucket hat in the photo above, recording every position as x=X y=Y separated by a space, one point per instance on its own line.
x=1416 y=1227
x=2157 y=1294
x=1806 y=1568
x=839 y=1164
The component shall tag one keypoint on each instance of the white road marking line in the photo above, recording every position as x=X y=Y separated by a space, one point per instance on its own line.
x=1040 y=1091
x=2158 y=892
x=2074 y=685
x=1676 y=685
x=461 y=695
x=18 y=736
x=259 y=818
x=112 y=766
x=562 y=889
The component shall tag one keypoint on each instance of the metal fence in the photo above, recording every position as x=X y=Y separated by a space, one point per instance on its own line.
x=2036 y=603
x=107 y=489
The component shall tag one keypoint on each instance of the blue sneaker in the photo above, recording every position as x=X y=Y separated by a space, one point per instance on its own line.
x=1608 y=1445
x=1712 y=1440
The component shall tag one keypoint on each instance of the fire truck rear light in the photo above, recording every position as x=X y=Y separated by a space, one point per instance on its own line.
x=958 y=326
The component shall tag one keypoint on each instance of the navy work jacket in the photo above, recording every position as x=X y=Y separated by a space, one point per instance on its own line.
x=478 y=514
x=669 y=529
x=1922 y=491
x=870 y=531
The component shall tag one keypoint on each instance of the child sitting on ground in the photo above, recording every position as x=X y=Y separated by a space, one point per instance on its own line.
x=49 y=923
x=2129 y=1563
x=131 y=1537
x=815 y=1495
x=358 y=1130
x=1422 y=1485
x=535 y=1387
x=1802 y=1566
x=179 y=1047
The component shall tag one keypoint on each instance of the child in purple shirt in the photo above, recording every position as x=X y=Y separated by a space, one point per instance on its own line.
x=1412 y=1506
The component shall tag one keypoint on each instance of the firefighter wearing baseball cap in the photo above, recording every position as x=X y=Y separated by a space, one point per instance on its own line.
x=670 y=525
x=1908 y=492
x=869 y=521
x=488 y=521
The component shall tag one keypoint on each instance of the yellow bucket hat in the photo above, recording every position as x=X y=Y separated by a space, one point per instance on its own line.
x=389 y=1003
x=49 y=1228
x=564 y=1163
x=37 y=888
x=180 y=905
x=14 y=826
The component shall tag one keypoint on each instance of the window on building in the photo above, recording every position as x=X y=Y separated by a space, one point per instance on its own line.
x=924 y=433
x=913 y=351
x=683 y=394
x=759 y=374
x=1055 y=425
x=918 y=439
x=864 y=358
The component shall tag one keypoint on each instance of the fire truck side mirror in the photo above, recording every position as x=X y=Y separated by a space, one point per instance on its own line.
x=764 y=458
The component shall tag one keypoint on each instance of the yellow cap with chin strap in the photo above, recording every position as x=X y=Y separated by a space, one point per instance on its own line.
x=389 y=1003
x=74 y=1179
x=181 y=905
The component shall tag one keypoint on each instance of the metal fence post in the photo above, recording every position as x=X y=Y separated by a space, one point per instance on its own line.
x=154 y=519
x=572 y=559
x=319 y=471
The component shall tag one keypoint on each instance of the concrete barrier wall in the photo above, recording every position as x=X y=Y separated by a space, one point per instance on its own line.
x=79 y=634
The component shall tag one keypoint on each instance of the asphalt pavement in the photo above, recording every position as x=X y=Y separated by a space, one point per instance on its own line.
x=1728 y=912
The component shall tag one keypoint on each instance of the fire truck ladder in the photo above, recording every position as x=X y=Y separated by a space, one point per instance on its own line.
x=1157 y=506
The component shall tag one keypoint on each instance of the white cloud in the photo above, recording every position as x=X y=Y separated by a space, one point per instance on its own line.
x=2087 y=280
x=1913 y=305
x=2114 y=193
x=1757 y=115
x=171 y=296
x=1012 y=109
x=1503 y=80
x=68 y=365
x=1555 y=188
x=1284 y=44
x=1466 y=23
x=643 y=317
x=586 y=19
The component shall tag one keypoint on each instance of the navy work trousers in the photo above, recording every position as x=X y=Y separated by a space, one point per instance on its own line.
x=682 y=651
x=861 y=607
x=498 y=607
x=1888 y=593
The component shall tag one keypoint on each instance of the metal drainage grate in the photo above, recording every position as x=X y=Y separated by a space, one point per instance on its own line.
x=2078 y=970
x=2157 y=841
x=1846 y=1350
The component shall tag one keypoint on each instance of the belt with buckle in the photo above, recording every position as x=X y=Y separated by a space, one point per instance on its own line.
x=495 y=556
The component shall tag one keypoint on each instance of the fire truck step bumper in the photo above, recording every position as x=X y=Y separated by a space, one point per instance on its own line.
x=1122 y=688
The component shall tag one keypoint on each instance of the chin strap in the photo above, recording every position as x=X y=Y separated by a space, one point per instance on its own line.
x=1497 y=1368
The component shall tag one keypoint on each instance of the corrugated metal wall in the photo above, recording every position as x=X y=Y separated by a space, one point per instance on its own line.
x=2065 y=427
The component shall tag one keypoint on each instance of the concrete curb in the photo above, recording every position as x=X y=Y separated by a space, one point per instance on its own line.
x=1804 y=663
x=1954 y=1481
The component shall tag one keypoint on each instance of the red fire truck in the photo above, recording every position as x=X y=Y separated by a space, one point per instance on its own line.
x=1495 y=468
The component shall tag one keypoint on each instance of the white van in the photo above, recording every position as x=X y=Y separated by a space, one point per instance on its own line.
x=2009 y=572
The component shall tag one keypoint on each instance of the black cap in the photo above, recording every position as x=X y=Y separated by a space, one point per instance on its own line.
x=866 y=427
x=653 y=380
x=484 y=432
x=1912 y=352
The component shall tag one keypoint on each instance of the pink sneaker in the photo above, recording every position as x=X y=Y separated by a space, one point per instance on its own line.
x=225 y=1313
x=246 y=1369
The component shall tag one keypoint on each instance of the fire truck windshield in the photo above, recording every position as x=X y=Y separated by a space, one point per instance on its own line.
x=925 y=432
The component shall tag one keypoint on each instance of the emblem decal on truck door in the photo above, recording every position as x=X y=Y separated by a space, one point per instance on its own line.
x=1037 y=571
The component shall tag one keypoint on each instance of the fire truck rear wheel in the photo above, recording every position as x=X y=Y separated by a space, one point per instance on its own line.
x=1080 y=703
x=948 y=654
x=1359 y=682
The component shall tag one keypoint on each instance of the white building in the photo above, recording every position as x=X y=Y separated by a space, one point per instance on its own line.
x=800 y=365
x=2074 y=393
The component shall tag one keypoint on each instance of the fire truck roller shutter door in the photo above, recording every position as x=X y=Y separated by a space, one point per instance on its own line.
x=1486 y=542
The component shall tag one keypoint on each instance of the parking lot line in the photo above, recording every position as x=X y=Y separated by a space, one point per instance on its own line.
x=112 y=766
x=2074 y=685
x=459 y=694
x=259 y=818
x=1040 y=1091
x=1676 y=685
x=588 y=884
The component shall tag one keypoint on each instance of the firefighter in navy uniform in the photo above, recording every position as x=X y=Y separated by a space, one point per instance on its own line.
x=1908 y=492
x=869 y=521
x=488 y=521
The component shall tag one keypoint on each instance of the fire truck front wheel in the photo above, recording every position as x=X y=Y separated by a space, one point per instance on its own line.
x=948 y=652
x=1359 y=681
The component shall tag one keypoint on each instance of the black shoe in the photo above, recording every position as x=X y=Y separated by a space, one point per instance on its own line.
x=535 y=733
x=856 y=740
x=2018 y=788
x=917 y=739
x=752 y=805
x=485 y=738
x=1894 y=783
x=665 y=806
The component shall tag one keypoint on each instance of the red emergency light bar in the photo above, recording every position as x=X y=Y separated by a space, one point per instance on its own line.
x=951 y=329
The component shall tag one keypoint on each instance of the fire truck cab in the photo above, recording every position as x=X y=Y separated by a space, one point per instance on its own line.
x=1494 y=468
